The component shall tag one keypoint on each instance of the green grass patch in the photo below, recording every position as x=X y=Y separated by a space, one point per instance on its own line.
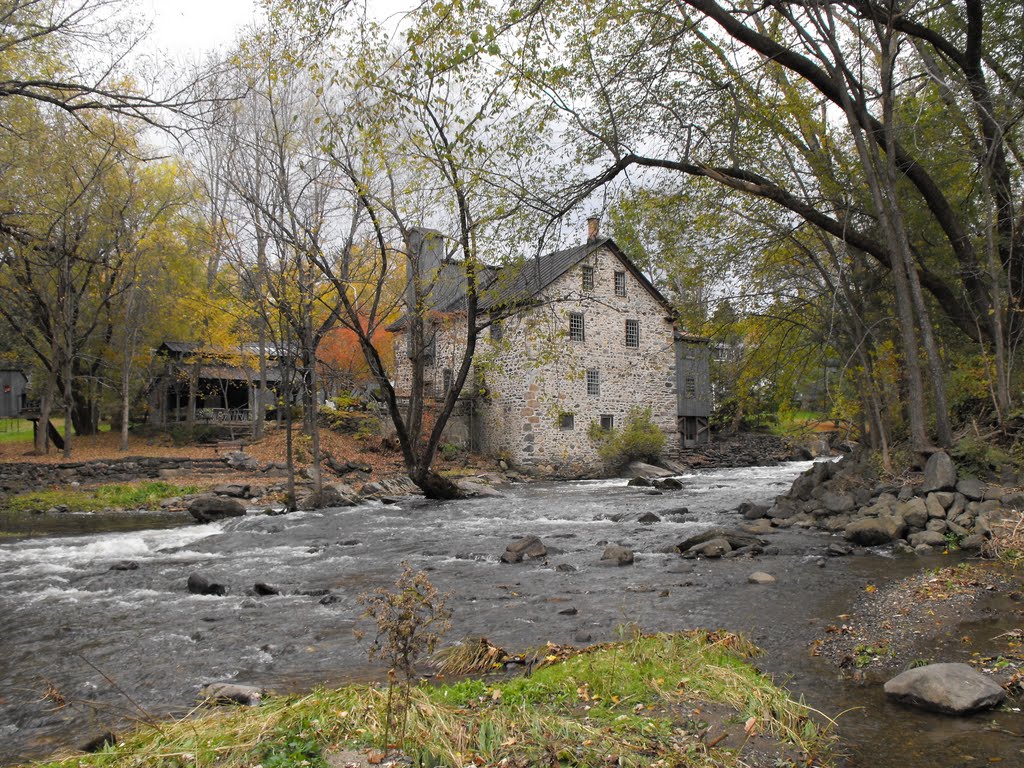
x=641 y=702
x=122 y=496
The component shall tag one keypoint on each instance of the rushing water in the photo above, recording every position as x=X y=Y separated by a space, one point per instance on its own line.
x=99 y=626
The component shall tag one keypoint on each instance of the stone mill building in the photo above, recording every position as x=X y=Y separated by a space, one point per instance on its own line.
x=574 y=341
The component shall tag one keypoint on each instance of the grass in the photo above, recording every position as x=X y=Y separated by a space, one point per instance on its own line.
x=639 y=702
x=20 y=430
x=120 y=496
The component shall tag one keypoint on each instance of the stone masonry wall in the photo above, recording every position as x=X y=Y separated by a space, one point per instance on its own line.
x=534 y=375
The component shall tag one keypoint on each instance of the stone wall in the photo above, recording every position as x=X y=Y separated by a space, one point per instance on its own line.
x=536 y=377
x=527 y=382
x=20 y=477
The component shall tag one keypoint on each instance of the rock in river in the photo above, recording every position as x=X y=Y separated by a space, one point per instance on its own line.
x=207 y=509
x=526 y=548
x=952 y=689
x=230 y=693
x=616 y=555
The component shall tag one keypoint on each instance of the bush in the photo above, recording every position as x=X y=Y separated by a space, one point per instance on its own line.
x=639 y=440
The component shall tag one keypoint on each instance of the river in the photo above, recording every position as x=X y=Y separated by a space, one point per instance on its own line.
x=96 y=622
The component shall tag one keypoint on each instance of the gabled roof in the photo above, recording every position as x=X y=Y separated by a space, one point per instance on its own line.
x=515 y=287
x=534 y=275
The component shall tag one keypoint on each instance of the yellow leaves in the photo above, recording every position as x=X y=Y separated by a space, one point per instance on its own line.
x=870 y=588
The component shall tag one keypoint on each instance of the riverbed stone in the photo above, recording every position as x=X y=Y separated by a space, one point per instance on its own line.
x=525 y=548
x=647 y=471
x=200 y=583
x=751 y=511
x=927 y=538
x=232 y=693
x=616 y=555
x=973 y=543
x=937 y=525
x=712 y=548
x=234 y=490
x=760 y=577
x=207 y=509
x=939 y=473
x=873 y=531
x=668 y=483
x=952 y=689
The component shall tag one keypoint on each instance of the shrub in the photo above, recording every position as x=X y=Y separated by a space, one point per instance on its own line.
x=639 y=440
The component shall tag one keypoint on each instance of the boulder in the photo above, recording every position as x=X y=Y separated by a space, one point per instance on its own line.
x=872 y=531
x=711 y=548
x=735 y=539
x=648 y=471
x=616 y=555
x=235 y=490
x=914 y=512
x=648 y=518
x=230 y=693
x=973 y=543
x=525 y=548
x=760 y=577
x=835 y=549
x=336 y=495
x=752 y=511
x=971 y=489
x=207 y=509
x=639 y=482
x=206 y=584
x=758 y=527
x=476 y=489
x=263 y=589
x=241 y=461
x=835 y=503
x=939 y=473
x=933 y=504
x=952 y=689
x=927 y=538
x=667 y=483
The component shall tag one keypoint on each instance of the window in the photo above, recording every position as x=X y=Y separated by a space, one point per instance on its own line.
x=620 y=283
x=690 y=387
x=607 y=422
x=576 y=331
x=497 y=331
x=588 y=278
x=593 y=381
x=567 y=421
x=632 y=333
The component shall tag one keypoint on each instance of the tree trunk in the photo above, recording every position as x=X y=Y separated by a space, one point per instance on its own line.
x=434 y=486
x=125 y=403
x=42 y=436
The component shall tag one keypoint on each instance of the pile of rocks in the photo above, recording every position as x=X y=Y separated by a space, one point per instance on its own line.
x=840 y=497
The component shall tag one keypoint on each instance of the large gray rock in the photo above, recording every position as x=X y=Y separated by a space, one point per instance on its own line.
x=927 y=538
x=477 y=489
x=207 y=509
x=971 y=488
x=939 y=473
x=953 y=689
x=760 y=577
x=206 y=584
x=241 y=461
x=838 y=502
x=616 y=555
x=872 y=531
x=736 y=539
x=936 y=509
x=335 y=495
x=526 y=548
x=647 y=471
x=712 y=548
x=231 y=693
x=913 y=512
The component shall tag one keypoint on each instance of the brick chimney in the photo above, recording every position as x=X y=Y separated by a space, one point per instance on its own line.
x=593 y=229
